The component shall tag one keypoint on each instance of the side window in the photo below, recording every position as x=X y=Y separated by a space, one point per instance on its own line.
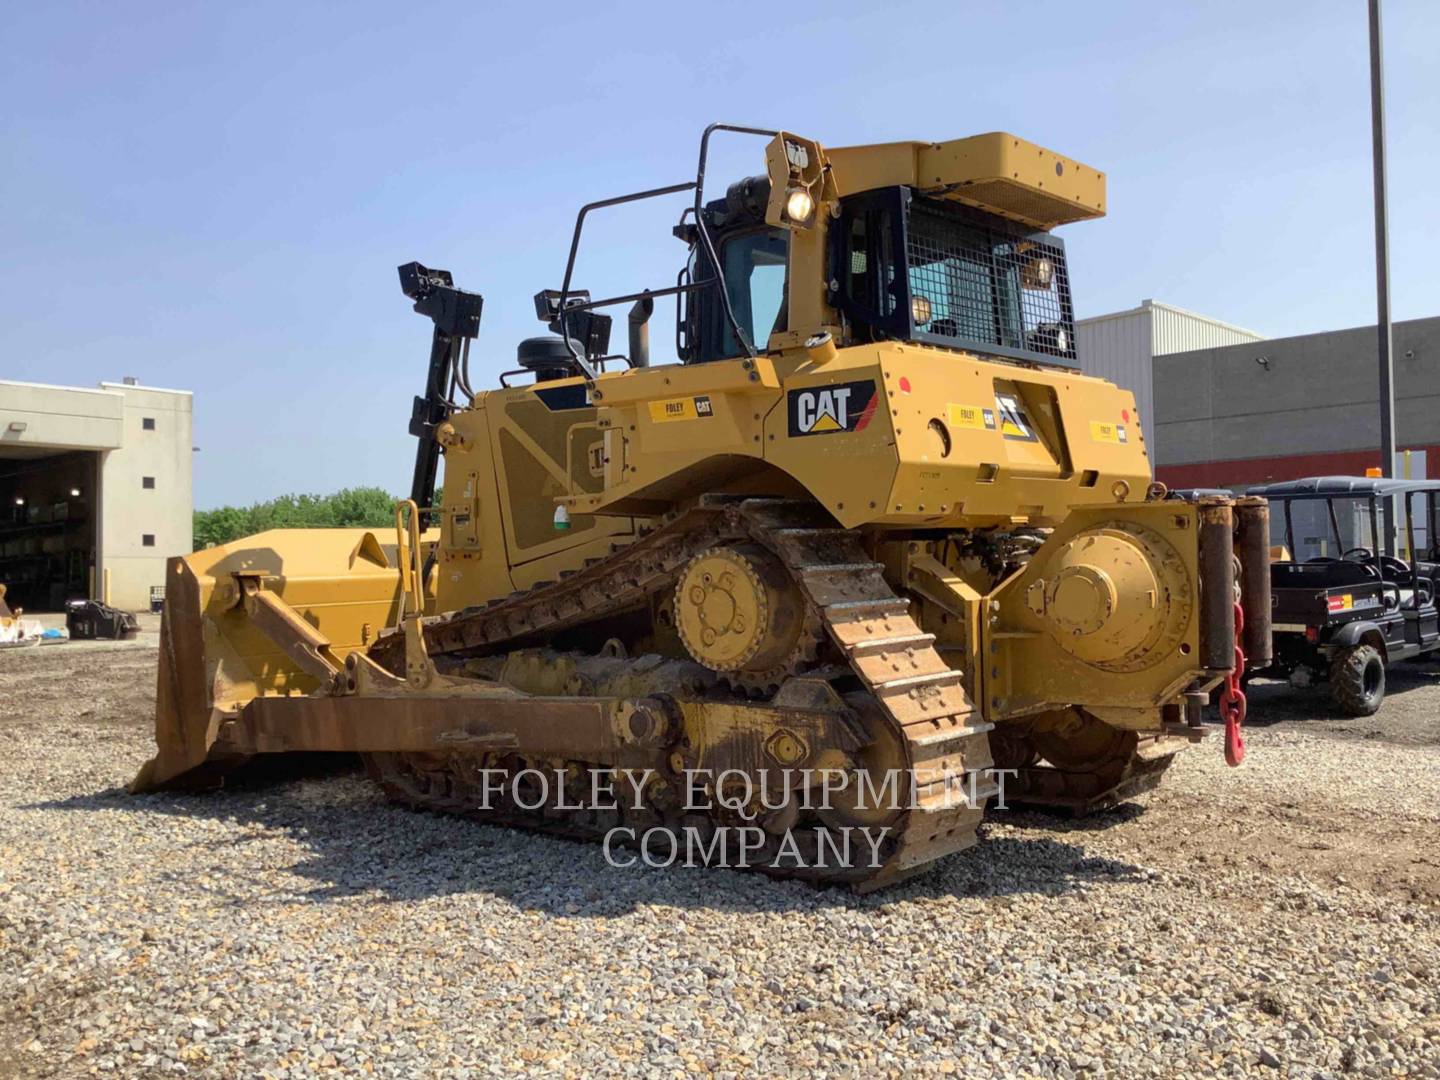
x=755 y=273
x=864 y=264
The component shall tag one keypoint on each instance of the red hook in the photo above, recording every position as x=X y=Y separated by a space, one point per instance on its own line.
x=1232 y=699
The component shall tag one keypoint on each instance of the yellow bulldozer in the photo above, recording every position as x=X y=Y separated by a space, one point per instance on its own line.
x=872 y=553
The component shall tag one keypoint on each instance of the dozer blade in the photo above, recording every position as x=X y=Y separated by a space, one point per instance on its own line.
x=270 y=615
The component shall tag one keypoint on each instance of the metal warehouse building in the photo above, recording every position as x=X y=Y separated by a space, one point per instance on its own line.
x=95 y=492
x=1289 y=407
x=1122 y=347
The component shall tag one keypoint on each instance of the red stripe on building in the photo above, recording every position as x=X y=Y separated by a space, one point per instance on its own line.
x=1243 y=471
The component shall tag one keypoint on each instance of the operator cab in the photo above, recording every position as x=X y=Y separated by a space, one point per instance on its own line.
x=944 y=244
x=902 y=266
x=1340 y=589
x=755 y=262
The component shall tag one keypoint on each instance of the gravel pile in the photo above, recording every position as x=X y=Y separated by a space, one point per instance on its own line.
x=1278 y=920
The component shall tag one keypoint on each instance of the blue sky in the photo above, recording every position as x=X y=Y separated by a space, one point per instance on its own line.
x=215 y=196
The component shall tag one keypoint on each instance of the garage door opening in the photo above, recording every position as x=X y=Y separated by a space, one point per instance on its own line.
x=48 y=521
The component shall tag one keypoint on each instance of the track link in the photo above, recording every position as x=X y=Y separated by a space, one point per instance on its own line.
x=1079 y=790
x=909 y=690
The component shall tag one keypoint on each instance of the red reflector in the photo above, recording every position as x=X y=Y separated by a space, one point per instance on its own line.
x=1125 y=414
x=904 y=385
x=1312 y=634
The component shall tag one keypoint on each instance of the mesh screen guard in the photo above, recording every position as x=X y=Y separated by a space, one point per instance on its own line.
x=974 y=283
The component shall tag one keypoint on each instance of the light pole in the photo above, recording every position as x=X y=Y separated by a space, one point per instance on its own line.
x=1382 y=270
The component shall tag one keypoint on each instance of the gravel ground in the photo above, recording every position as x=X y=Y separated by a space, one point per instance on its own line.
x=1278 y=919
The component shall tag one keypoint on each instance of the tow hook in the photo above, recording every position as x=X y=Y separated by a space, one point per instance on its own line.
x=1232 y=698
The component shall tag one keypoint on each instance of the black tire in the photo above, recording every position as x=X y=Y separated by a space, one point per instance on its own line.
x=1357 y=680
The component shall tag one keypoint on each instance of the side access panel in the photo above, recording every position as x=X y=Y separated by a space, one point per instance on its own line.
x=524 y=449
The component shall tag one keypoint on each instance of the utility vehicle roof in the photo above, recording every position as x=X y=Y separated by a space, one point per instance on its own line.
x=1342 y=487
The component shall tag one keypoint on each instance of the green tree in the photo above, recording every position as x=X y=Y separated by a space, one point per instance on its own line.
x=365 y=507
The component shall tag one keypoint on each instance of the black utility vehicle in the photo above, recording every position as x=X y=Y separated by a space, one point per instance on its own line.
x=1346 y=615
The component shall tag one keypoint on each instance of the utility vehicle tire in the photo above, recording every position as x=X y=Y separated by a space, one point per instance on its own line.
x=1357 y=680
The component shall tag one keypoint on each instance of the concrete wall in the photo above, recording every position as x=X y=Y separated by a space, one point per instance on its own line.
x=38 y=422
x=130 y=511
x=39 y=418
x=1122 y=347
x=1311 y=406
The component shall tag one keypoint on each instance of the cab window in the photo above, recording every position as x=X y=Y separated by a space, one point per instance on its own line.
x=755 y=265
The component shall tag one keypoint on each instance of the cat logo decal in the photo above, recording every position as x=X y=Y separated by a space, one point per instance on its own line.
x=830 y=410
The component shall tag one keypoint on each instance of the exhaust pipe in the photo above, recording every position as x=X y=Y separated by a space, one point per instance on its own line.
x=640 y=331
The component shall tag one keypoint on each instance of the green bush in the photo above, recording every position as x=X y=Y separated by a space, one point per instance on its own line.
x=366 y=507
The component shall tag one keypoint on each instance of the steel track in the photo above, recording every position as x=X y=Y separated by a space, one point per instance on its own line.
x=909 y=691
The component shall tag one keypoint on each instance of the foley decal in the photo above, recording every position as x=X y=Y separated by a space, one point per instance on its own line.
x=970 y=416
x=1014 y=424
x=681 y=408
x=1100 y=431
x=829 y=410
x=1008 y=417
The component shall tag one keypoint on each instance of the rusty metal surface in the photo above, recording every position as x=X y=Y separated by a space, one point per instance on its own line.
x=572 y=727
x=1080 y=793
x=318 y=596
x=1115 y=770
x=1217 y=585
x=625 y=580
x=184 y=725
x=305 y=645
x=426 y=743
x=1252 y=548
x=914 y=714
